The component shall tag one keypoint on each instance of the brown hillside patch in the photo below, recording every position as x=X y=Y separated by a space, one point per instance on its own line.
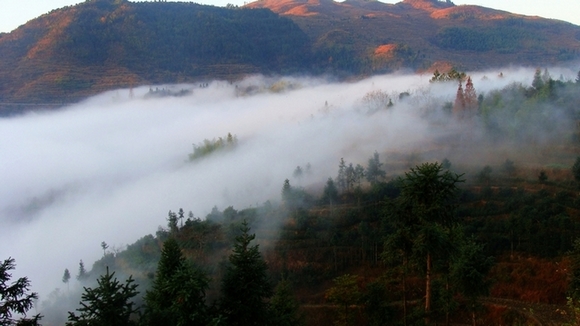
x=277 y=6
x=51 y=38
x=469 y=12
x=300 y=11
x=385 y=50
x=426 y=5
x=441 y=66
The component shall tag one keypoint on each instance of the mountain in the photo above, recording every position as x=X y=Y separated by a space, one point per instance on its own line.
x=80 y=50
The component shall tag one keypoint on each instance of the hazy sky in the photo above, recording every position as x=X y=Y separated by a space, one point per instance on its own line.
x=17 y=12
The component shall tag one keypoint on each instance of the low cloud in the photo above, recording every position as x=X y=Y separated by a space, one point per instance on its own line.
x=110 y=168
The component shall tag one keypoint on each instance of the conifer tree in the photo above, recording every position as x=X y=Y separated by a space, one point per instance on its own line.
x=177 y=296
x=14 y=298
x=470 y=97
x=284 y=306
x=109 y=304
x=459 y=104
x=374 y=172
x=66 y=277
x=245 y=286
x=82 y=275
x=330 y=193
x=427 y=195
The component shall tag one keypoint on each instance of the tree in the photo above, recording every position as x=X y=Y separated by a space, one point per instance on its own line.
x=538 y=81
x=104 y=246
x=469 y=273
x=109 y=304
x=344 y=293
x=330 y=193
x=459 y=104
x=470 y=96
x=14 y=298
x=284 y=306
x=245 y=286
x=177 y=296
x=297 y=174
x=374 y=173
x=82 y=275
x=359 y=173
x=172 y=222
x=428 y=195
x=341 y=180
x=66 y=276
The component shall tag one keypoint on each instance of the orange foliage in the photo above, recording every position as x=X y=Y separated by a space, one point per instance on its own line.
x=531 y=279
x=385 y=50
x=50 y=38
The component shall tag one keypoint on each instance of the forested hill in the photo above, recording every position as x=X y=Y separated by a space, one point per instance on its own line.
x=99 y=45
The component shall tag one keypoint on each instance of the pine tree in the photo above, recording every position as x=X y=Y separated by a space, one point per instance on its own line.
x=469 y=273
x=459 y=104
x=341 y=178
x=177 y=296
x=538 y=81
x=330 y=193
x=427 y=196
x=374 y=172
x=82 y=275
x=284 y=306
x=109 y=304
x=245 y=286
x=14 y=298
x=66 y=277
x=344 y=293
x=470 y=97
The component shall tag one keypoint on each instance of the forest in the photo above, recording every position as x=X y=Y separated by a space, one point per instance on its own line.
x=438 y=243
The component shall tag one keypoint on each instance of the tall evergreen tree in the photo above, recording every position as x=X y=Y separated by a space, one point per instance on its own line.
x=14 y=298
x=66 y=277
x=284 y=306
x=177 y=296
x=459 y=104
x=470 y=96
x=109 y=304
x=245 y=286
x=341 y=180
x=468 y=273
x=429 y=195
x=82 y=275
x=330 y=193
x=374 y=172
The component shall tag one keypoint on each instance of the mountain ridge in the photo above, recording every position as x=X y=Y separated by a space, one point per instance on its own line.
x=98 y=45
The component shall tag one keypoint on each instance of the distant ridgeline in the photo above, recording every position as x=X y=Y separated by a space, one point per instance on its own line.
x=209 y=146
x=99 y=45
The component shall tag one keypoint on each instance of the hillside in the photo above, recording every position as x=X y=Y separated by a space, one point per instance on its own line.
x=99 y=45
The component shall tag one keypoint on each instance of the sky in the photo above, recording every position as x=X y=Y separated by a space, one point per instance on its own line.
x=17 y=12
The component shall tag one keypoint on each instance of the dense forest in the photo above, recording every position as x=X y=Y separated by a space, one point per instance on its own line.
x=438 y=243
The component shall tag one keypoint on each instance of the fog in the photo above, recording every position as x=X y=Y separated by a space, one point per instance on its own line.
x=110 y=168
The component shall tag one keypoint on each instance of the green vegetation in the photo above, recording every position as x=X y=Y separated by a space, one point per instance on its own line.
x=15 y=298
x=210 y=146
x=107 y=304
x=421 y=246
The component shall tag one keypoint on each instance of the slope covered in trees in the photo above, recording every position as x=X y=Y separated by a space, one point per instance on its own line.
x=409 y=241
